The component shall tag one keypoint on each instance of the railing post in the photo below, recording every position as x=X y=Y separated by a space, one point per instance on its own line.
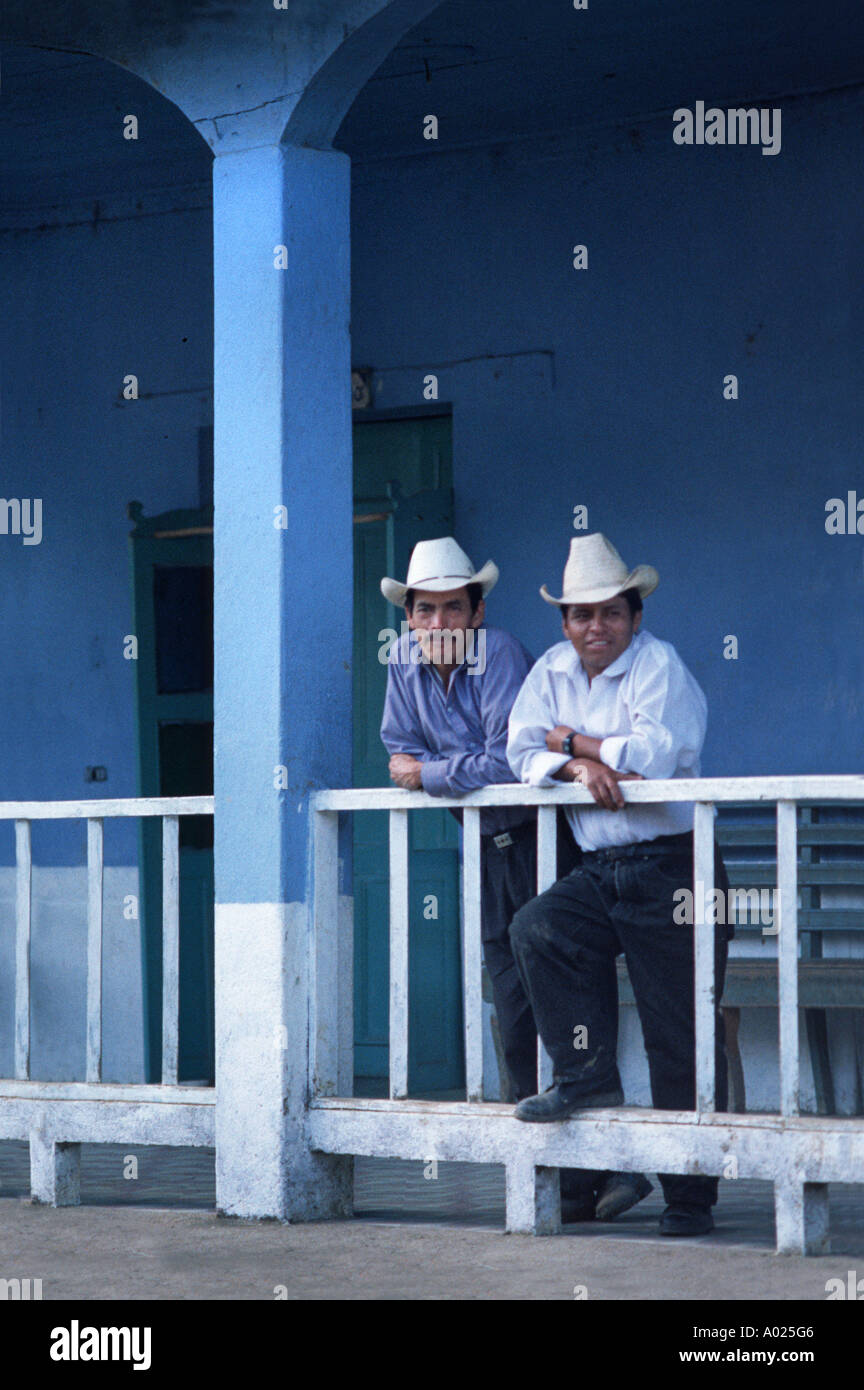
x=547 y=872
x=345 y=982
x=786 y=922
x=801 y=1217
x=170 y=947
x=23 y=916
x=703 y=940
x=800 y=1208
x=55 y=1171
x=533 y=1198
x=398 y=955
x=95 y=867
x=331 y=1011
x=472 y=987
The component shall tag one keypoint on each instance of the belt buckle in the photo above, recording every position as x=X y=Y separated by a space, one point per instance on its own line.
x=502 y=841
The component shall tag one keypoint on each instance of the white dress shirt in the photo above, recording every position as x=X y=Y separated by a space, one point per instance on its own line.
x=649 y=713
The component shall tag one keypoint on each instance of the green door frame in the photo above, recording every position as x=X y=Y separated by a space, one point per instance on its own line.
x=176 y=538
x=402 y=494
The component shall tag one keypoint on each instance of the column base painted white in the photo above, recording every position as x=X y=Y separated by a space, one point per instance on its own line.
x=264 y=1166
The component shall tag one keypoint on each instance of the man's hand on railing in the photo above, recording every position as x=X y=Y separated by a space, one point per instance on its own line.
x=601 y=781
x=405 y=772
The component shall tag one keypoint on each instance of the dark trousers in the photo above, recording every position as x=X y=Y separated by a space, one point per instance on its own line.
x=509 y=880
x=565 y=943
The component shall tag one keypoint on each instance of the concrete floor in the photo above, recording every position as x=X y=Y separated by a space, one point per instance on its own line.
x=155 y=1236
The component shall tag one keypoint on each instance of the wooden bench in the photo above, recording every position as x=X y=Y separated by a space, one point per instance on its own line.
x=830 y=855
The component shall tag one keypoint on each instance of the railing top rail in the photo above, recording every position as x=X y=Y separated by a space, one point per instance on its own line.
x=122 y=806
x=849 y=787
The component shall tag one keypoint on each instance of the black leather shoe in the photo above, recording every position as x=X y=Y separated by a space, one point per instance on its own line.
x=620 y=1192
x=552 y=1104
x=686 y=1221
x=577 y=1209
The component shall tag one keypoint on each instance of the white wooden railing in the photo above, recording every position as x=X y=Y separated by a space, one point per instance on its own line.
x=57 y=1117
x=800 y=1154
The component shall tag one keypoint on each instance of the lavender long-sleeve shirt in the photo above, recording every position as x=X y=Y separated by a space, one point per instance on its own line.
x=460 y=736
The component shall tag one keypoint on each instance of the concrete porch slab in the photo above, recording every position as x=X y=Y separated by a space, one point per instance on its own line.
x=397 y=1210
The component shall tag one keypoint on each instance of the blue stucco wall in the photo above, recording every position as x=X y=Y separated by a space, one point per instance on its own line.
x=82 y=306
x=603 y=388
x=702 y=262
x=600 y=387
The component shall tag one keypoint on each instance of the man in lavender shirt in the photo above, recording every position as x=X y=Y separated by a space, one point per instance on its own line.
x=451 y=683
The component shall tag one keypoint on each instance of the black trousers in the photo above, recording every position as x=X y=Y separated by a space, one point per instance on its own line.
x=565 y=943
x=509 y=880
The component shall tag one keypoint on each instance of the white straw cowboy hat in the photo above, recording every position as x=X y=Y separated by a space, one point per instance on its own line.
x=439 y=565
x=595 y=572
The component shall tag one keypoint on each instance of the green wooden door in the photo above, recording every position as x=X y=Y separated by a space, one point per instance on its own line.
x=402 y=495
x=172 y=576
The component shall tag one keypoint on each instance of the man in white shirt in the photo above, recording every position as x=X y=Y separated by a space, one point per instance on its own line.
x=609 y=704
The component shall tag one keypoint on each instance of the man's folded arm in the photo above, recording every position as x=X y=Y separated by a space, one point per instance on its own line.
x=530 y=720
x=668 y=715
x=461 y=773
x=467 y=772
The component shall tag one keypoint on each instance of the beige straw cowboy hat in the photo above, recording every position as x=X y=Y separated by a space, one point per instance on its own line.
x=595 y=572
x=439 y=565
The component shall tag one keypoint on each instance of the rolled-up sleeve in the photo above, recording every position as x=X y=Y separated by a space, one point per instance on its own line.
x=531 y=719
x=668 y=713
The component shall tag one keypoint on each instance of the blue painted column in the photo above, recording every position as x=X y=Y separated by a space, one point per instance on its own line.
x=283 y=624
